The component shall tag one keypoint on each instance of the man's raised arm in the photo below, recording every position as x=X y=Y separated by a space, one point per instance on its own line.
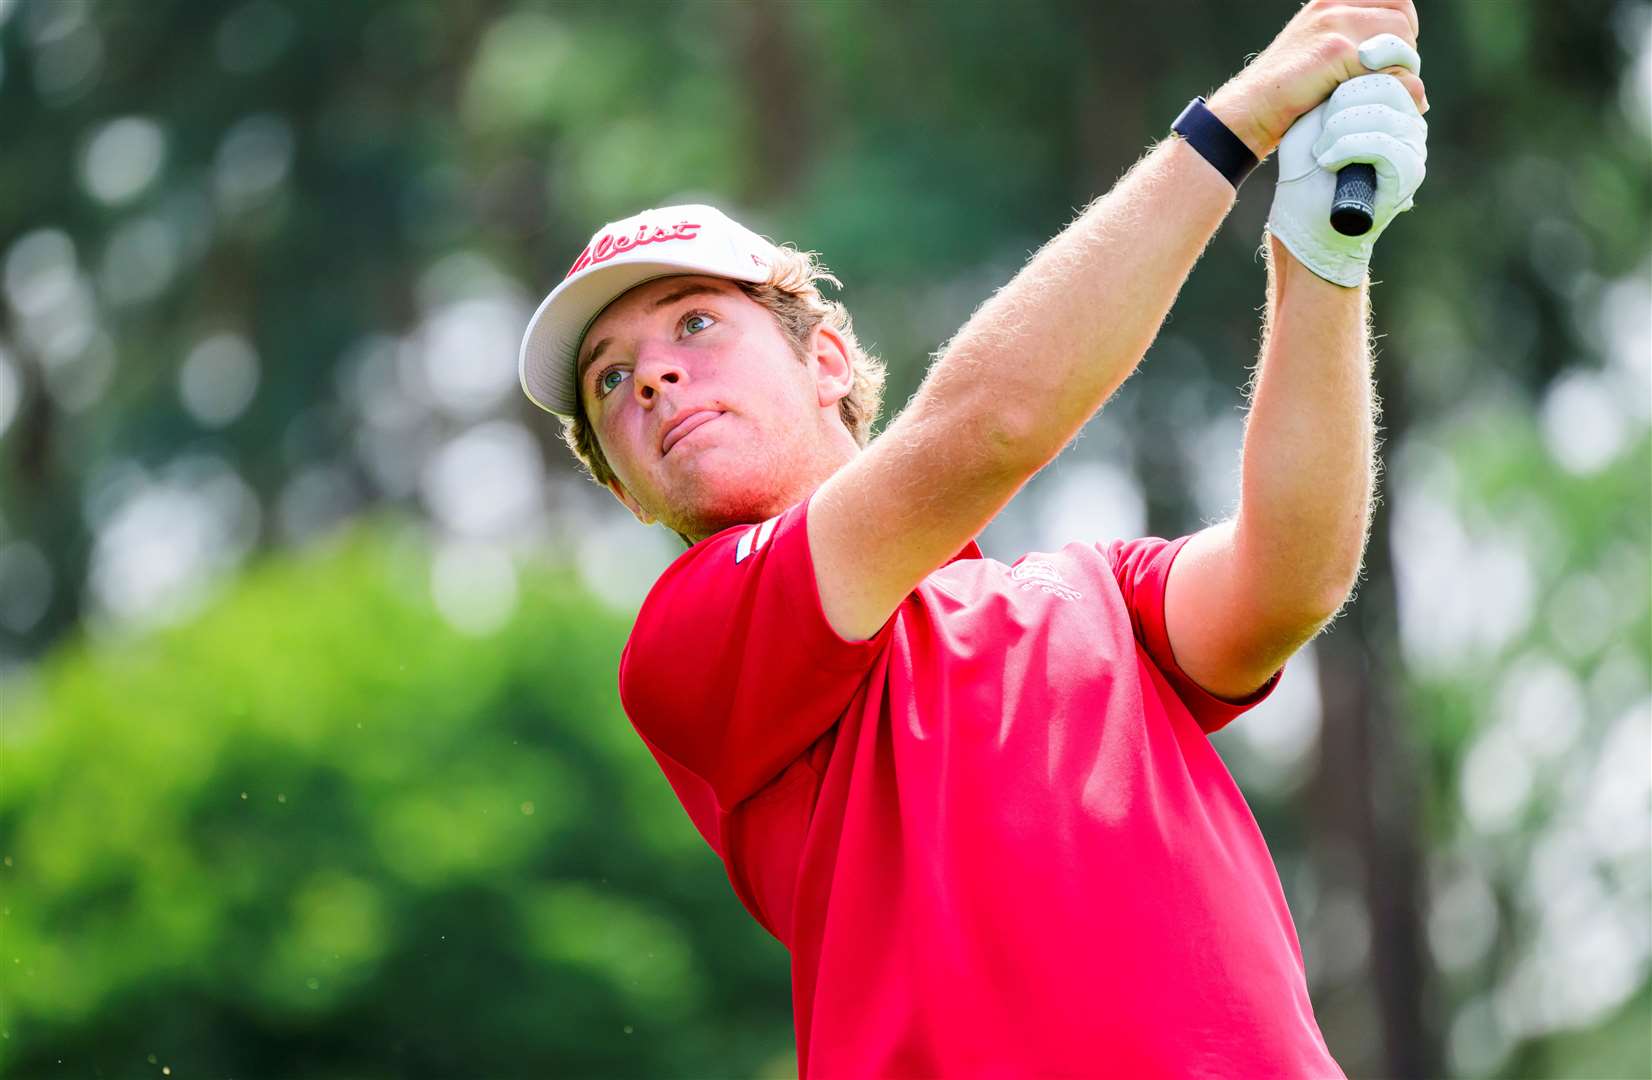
x=1050 y=348
x=1024 y=373
x=1035 y=361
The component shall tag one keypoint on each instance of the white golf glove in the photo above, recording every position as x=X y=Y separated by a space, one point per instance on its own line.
x=1369 y=119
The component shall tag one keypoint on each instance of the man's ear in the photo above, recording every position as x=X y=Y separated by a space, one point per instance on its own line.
x=834 y=372
x=630 y=502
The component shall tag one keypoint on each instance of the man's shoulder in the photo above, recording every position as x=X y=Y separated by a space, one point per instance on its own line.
x=707 y=572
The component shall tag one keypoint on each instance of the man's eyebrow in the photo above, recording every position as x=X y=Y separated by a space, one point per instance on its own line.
x=665 y=301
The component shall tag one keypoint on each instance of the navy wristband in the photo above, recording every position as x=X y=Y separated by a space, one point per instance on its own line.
x=1226 y=151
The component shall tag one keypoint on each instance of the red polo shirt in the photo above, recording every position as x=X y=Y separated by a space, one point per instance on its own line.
x=994 y=836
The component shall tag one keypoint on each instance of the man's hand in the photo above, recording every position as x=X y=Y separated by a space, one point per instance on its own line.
x=1371 y=120
x=1316 y=52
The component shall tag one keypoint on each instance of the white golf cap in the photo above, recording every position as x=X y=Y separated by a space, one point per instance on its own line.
x=691 y=239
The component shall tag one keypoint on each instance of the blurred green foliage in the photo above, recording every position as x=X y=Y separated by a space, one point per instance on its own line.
x=318 y=832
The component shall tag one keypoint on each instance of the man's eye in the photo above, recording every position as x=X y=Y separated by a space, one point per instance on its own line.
x=692 y=323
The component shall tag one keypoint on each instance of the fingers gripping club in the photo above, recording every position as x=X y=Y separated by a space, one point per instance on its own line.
x=1353 y=207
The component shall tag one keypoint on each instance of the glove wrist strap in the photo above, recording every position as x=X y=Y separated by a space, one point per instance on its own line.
x=1225 y=151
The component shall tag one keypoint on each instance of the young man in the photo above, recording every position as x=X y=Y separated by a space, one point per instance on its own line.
x=977 y=802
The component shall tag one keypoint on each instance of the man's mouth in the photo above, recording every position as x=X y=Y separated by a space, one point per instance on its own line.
x=681 y=430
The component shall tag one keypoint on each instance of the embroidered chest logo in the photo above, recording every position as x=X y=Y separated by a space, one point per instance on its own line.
x=1037 y=574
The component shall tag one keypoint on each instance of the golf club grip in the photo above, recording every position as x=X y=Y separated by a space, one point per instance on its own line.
x=1356 y=195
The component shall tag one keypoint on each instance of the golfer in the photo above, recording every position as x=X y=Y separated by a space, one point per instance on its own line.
x=977 y=801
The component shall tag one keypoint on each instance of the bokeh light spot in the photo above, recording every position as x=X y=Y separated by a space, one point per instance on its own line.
x=122 y=158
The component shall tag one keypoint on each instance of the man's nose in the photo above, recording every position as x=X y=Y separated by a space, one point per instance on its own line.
x=657 y=365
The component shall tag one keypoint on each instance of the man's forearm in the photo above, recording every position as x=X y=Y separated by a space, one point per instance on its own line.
x=1308 y=470
x=1035 y=362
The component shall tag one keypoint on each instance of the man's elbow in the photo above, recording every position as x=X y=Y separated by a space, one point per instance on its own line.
x=1331 y=600
x=1302 y=576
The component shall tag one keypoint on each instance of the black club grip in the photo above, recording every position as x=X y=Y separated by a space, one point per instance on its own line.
x=1356 y=195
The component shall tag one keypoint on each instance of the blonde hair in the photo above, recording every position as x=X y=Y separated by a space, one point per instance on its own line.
x=792 y=295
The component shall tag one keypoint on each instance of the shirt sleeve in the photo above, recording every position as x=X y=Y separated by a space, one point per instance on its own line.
x=732 y=668
x=1142 y=568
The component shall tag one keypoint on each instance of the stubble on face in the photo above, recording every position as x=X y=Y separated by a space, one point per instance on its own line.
x=752 y=474
x=764 y=454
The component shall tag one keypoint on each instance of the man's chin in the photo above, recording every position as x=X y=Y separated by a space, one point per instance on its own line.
x=714 y=511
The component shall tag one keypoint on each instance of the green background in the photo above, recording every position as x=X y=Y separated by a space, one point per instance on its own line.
x=311 y=761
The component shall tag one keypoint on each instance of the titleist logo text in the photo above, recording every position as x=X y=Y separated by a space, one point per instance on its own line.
x=609 y=245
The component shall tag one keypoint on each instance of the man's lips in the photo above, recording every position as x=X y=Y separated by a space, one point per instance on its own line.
x=681 y=427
